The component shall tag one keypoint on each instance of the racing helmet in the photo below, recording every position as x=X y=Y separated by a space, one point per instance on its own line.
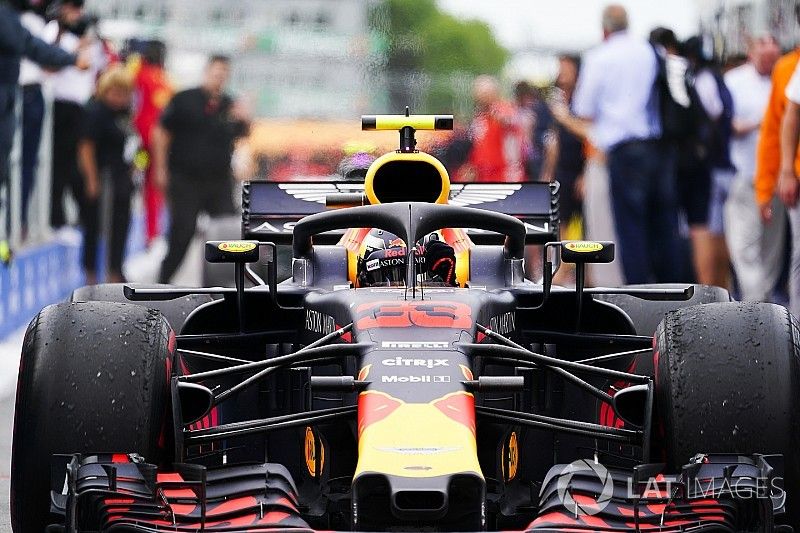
x=383 y=262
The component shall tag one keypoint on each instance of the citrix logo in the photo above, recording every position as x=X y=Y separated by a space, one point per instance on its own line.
x=427 y=363
x=433 y=345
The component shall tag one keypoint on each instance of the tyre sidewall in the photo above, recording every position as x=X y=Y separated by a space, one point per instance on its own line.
x=94 y=377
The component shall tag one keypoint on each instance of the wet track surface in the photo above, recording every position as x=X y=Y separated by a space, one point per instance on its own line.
x=6 y=422
x=9 y=363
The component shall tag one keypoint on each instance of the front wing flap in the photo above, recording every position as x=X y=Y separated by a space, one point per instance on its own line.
x=721 y=492
x=122 y=493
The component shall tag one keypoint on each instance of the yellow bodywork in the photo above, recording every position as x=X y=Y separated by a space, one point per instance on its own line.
x=417 y=440
x=398 y=122
x=393 y=157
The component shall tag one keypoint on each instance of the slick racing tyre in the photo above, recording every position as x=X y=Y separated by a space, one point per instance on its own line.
x=728 y=381
x=94 y=377
x=646 y=314
x=175 y=311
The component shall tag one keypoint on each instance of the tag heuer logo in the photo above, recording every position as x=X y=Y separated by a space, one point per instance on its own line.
x=416 y=345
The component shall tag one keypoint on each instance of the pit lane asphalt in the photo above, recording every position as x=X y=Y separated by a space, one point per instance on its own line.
x=6 y=423
x=9 y=363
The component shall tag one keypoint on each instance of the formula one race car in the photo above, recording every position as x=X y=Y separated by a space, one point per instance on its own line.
x=406 y=377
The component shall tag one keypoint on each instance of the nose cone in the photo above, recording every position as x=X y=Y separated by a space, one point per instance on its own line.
x=418 y=461
x=455 y=502
x=417 y=439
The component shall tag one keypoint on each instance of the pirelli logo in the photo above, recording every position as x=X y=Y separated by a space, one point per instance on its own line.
x=415 y=345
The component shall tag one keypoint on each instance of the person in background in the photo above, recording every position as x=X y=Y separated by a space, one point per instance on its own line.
x=454 y=151
x=769 y=177
x=107 y=50
x=71 y=90
x=734 y=61
x=788 y=184
x=615 y=96
x=694 y=164
x=593 y=189
x=153 y=92
x=566 y=160
x=192 y=149
x=712 y=148
x=571 y=157
x=31 y=78
x=678 y=109
x=756 y=248
x=524 y=101
x=106 y=168
x=17 y=42
x=540 y=147
x=675 y=66
x=498 y=140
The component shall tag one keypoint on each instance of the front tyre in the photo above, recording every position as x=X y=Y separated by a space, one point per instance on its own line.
x=94 y=377
x=728 y=381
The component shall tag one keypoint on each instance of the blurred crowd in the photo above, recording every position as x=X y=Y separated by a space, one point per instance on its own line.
x=117 y=125
x=689 y=164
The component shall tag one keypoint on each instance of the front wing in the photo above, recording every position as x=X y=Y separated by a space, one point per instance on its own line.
x=122 y=493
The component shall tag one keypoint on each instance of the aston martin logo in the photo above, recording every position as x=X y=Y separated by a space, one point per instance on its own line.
x=481 y=193
x=316 y=192
x=460 y=194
